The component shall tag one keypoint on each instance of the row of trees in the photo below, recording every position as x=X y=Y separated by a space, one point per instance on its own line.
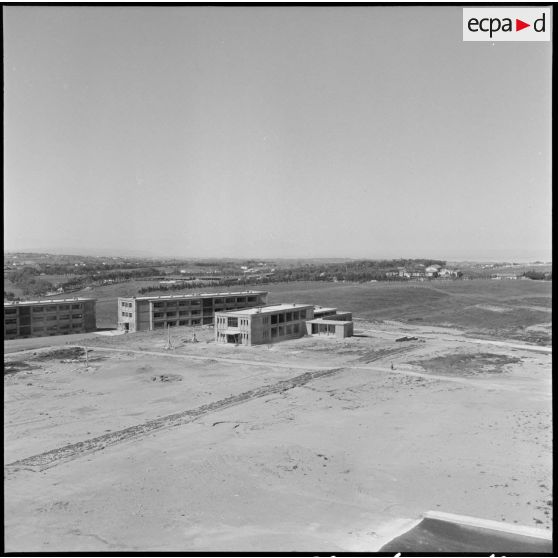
x=28 y=280
x=539 y=275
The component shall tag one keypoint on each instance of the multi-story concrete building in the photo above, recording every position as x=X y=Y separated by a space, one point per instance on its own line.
x=39 y=318
x=254 y=326
x=159 y=312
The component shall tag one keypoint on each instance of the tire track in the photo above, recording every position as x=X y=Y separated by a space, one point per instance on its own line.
x=69 y=452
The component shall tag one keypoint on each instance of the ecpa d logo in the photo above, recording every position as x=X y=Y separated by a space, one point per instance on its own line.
x=507 y=24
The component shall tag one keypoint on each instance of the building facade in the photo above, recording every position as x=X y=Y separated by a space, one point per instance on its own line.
x=330 y=327
x=42 y=318
x=256 y=326
x=331 y=323
x=160 y=312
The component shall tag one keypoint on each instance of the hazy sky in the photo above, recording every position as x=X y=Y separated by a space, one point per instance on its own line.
x=273 y=132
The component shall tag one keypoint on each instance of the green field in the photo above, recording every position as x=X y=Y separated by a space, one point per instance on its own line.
x=501 y=309
x=497 y=308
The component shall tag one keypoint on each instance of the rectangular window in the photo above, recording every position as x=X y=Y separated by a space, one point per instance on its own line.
x=158 y=325
x=51 y=309
x=295 y=316
x=171 y=314
x=183 y=313
x=273 y=332
x=76 y=326
x=303 y=314
x=158 y=305
x=289 y=317
x=195 y=313
x=296 y=328
x=52 y=318
x=281 y=318
x=289 y=329
x=65 y=326
x=281 y=331
x=10 y=321
x=184 y=303
x=38 y=318
x=35 y=310
x=233 y=322
x=78 y=316
x=219 y=301
x=274 y=319
x=195 y=322
x=38 y=329
x=76 y=306
x=158 y=314
x=64 y=307
x=182 y=322
x=251 y=299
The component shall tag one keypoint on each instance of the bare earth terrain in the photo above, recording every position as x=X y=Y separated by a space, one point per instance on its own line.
x=314 y=444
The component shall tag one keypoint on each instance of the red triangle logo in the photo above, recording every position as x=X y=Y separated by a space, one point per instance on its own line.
x=519 y=25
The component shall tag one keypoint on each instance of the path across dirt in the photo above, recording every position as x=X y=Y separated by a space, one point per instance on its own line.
x=463 y=339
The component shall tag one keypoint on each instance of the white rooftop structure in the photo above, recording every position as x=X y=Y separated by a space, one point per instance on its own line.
x=193 y=295
x=49 y=301
x=268 y=309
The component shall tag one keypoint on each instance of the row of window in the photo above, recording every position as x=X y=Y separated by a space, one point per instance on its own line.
x=127 y=304
x=60 y=327
x=48 y=318
x=228 y=300
x=41 y=309
x=54 y=308
x=281 y=331
x=37 y=329
x=287 y=317
x=55 y=317
x=127 y=314
x=173 y=314
x=173 y=323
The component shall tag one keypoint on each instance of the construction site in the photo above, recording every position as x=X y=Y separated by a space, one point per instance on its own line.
x=169 y=440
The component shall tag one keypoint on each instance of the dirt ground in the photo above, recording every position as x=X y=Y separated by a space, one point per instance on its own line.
x=315 y=444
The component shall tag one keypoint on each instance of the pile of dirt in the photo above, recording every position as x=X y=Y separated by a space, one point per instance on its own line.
x=16 y=366
x=466 y=364
x=66 y=353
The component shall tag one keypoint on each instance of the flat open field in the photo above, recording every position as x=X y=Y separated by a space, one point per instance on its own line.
x=506 y=309
x=314 y=444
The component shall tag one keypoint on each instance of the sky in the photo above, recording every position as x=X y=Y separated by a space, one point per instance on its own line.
x=269 y=132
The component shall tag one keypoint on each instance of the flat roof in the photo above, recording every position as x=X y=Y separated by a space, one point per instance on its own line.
x=326 y=321
x=54 y=301
x=180 y=296
x=324 y=309
x=438 y=535
x=267 y=309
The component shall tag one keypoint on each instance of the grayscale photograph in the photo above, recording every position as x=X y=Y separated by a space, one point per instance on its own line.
x=277 y=278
